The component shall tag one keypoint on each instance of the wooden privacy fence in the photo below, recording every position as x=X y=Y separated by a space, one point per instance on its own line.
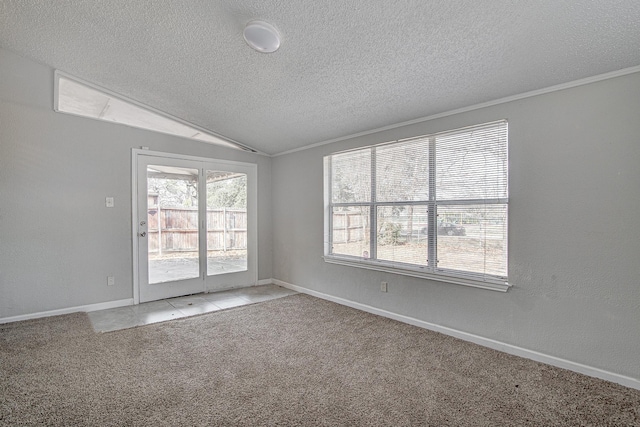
x=353 y=226
x=349 y=227
x=173 y=229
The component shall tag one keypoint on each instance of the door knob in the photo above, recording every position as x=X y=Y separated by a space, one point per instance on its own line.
x=144 y=233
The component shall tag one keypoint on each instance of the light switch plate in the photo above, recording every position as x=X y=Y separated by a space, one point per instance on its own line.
x=109 y=202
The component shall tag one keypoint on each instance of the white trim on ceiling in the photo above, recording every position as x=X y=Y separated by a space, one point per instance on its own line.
x=562 y=86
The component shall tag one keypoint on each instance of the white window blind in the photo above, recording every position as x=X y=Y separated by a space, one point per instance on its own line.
x=433 y=206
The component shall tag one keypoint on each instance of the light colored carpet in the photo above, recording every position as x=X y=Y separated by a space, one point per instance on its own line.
x=296 y=360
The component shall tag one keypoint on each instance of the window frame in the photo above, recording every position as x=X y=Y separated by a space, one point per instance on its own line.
x=430 y=271
x=205 y=135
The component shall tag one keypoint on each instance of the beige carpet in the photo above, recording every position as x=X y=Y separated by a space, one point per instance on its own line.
x=292 y=361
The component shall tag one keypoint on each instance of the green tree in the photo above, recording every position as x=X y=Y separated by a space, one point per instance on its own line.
x=228 y=193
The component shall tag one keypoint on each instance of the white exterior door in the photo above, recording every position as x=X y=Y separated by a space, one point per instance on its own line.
x=195 y=225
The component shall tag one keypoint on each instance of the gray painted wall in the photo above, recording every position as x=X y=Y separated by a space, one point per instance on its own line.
x=574 y=234
x=58 y=242
x=574 y=224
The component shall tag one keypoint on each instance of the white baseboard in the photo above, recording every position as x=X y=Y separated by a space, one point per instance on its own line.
x=476 y=339
x=265 y=282
x=89 y=307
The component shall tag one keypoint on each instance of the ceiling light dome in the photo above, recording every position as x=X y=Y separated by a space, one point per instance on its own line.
x=262 y=36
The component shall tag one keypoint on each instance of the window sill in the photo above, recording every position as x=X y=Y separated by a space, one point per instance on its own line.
x=493 y=285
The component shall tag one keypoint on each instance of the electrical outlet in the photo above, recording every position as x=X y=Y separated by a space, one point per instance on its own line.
x=383 y=286
x=111 y=281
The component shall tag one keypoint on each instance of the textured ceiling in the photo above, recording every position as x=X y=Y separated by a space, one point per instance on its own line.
x=343 y=67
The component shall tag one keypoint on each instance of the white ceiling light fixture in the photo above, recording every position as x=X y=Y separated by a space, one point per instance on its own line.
x=262 y=36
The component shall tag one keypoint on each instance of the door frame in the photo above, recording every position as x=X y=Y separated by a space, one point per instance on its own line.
x=252 y=213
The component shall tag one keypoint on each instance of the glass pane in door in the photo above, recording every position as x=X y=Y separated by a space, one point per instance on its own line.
x=226 y=222
x=172 y=204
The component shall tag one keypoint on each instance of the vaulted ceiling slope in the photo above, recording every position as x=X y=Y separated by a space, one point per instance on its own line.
x=344 y=67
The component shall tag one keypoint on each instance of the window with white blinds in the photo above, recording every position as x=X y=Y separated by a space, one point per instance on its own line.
x=433 y=206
